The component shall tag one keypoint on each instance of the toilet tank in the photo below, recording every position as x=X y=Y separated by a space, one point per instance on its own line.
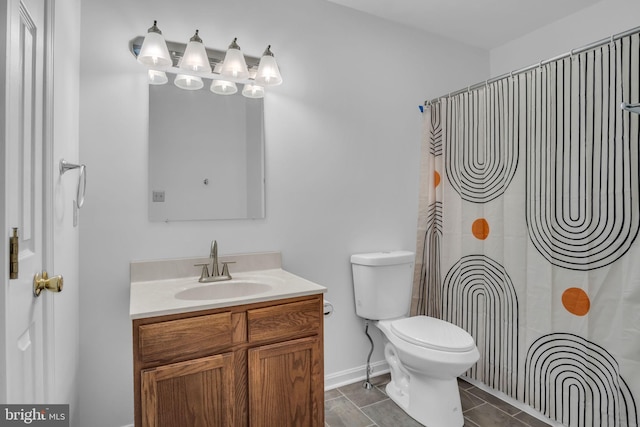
x=382 y=283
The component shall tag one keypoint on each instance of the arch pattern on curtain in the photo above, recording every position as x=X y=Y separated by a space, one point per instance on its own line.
x=586 y=386
x=482 y=142
x=479 y=297
x=582 y=158
x=530 y=241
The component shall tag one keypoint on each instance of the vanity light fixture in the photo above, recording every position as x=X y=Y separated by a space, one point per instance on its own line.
x=157 y=77
x=154 y=51
x=188 y=82
x=253 y=91
x=193 y=62
x=223 y=87
x=268 y=72
x=195 y=56
x=234 y=65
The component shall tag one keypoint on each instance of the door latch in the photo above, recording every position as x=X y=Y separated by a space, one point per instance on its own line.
x=13 y=254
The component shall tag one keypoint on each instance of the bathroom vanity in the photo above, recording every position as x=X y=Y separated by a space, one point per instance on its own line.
x=244 y=352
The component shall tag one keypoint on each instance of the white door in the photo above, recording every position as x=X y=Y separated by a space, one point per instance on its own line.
x=23 y=132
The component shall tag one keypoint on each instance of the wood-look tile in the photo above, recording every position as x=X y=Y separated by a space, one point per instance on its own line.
x=530 y=420
x=340 y=412
x=490 y=398
x=488 y=415
x=354 y=406
x=469 y=423
x=464 y=385
x=388 y=414
x=332 y=394
x=381 y=380
x=361 y=396
x=382 y=389
x=469 y=400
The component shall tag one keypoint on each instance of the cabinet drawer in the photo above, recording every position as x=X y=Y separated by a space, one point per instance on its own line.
x=285 y=321
x=185 y=338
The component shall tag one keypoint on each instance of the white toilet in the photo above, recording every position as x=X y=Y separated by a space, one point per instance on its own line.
x=425 y=354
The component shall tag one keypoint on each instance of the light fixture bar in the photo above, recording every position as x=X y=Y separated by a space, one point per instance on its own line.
x=176 y=50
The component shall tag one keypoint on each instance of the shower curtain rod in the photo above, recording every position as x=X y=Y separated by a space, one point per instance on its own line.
x=545 y=62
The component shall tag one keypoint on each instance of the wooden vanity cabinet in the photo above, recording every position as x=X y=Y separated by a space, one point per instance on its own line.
x=251 y=365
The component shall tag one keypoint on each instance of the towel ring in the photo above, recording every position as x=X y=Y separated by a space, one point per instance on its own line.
x=82 y=179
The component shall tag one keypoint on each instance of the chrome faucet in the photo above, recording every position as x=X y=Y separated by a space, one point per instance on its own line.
x=215 y=276
x=213 y=254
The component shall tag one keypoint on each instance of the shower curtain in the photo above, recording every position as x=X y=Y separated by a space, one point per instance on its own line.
x=527 y=234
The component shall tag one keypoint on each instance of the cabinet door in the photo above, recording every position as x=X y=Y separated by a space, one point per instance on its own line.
x=286 y=384
x=195 y=393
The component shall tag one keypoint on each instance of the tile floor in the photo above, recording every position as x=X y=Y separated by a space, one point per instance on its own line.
x=354 y=406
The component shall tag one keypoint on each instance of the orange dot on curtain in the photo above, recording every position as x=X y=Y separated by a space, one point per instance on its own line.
x=576 y=301
x=480 y=228
x=436 y=179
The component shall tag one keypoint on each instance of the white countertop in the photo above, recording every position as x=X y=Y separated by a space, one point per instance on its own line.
x=158 y=297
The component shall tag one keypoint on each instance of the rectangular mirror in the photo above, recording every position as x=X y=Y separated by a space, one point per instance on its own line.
x=206 y=155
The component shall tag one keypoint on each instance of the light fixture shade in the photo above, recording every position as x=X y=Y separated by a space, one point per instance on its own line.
x=157 y=77
x=223 y=87
x=184 y=81
x=154 y=52
x=253 y=91
x=268 y=71
x=234 y=65
x=195 y=56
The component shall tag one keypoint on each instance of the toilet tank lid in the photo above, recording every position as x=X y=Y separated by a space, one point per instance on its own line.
x=383 y=258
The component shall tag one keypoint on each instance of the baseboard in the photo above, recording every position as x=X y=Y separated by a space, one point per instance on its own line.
x=353 y=375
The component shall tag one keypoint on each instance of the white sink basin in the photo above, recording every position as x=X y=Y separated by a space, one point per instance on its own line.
x=223 y=290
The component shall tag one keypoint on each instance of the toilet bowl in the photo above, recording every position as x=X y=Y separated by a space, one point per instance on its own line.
x=425 y=356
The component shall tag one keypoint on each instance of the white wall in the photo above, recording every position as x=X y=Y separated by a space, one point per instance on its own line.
x=602 y=20
x=66 y=240
x=342 y=145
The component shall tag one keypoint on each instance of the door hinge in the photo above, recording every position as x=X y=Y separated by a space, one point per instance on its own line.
x=13 y=254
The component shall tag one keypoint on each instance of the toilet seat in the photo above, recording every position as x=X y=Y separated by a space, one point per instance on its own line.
x=432 y=333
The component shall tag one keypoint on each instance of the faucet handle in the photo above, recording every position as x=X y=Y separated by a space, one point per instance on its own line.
x=225 y=268
x=205 y=270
